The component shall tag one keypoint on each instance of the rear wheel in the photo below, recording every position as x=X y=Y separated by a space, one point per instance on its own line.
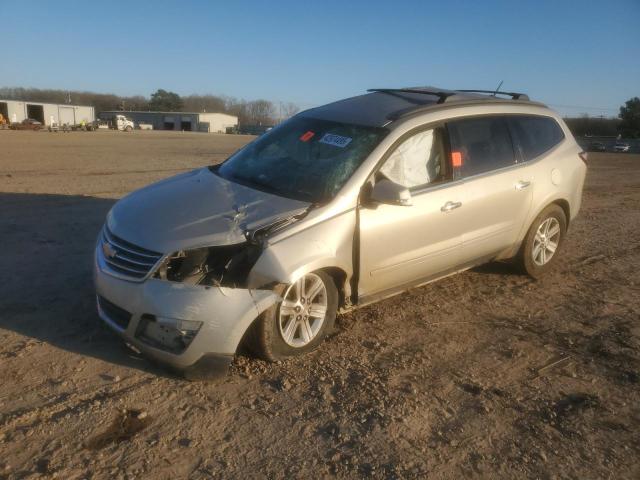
x=298 y=323
x=541 y=246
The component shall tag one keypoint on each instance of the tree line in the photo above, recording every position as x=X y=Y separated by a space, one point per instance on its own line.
x=265 y=112
x=593 y=126
x=627 y=124
x=249 y=112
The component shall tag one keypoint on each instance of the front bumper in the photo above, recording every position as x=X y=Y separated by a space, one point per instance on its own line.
x=225 y=313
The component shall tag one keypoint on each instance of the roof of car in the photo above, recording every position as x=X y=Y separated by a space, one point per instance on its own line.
x=380 y=106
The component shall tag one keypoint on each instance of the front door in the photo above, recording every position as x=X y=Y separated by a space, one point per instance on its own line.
x=400 y=245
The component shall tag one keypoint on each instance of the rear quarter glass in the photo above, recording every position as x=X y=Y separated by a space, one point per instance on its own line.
x=535 y=134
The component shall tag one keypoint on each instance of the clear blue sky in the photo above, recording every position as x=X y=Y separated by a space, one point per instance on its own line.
x=583 y=54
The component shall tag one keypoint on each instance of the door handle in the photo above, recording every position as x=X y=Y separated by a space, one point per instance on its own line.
x=447 y=207
x=521 y=185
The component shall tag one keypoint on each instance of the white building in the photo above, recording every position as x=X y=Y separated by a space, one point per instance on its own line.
x=217 y=122
x=181 y=121
x=47 y=113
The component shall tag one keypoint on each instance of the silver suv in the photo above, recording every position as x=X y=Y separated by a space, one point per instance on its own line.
x=338 y=207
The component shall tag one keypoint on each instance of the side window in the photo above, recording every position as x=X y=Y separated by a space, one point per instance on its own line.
x=419 y=160
x=480 y=145
x=535 y=135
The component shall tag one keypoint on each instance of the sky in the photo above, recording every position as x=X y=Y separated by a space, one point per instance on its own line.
x=577 y=56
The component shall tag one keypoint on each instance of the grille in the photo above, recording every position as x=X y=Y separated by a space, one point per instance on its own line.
x=117 y=315
x=126 y=258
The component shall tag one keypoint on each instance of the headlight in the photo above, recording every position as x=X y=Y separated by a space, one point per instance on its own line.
x=226 y=266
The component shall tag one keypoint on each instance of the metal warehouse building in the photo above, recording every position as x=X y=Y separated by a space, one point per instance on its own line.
x=47 y=113
x=181 y=121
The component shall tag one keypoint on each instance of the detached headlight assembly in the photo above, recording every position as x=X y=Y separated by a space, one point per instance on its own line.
x=225 y=266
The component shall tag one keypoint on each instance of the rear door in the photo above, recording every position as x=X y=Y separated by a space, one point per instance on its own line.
x=497 y=191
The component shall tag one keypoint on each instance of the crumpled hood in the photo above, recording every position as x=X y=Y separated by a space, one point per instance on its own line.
x=195 y=209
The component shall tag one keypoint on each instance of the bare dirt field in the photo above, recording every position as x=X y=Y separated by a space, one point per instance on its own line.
x=486 y=374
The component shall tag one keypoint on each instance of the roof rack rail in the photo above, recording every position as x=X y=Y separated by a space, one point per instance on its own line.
x=442 y=95
x=513 y=95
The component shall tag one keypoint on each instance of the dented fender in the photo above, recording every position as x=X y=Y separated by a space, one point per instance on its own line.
x=326 y=244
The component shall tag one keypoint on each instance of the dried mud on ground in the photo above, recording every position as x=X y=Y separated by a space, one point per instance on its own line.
x=484 y=374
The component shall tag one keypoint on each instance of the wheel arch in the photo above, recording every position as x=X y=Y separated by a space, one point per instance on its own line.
x=566 y=208
x=339 y=277
x=561 y=202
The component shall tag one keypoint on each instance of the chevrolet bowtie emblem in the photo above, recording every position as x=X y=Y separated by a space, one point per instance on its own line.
x=108 y=250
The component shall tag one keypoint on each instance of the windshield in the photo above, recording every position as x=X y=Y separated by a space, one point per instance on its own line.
x=304 y=158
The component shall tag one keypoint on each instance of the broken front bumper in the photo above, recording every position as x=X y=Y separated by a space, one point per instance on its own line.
x=146 y=314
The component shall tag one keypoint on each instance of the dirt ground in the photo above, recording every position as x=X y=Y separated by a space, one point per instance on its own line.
x=484 y=374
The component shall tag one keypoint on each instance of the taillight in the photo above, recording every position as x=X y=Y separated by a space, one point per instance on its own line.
x=583 y=156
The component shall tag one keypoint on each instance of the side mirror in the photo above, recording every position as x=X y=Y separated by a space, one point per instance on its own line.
x=390 y=193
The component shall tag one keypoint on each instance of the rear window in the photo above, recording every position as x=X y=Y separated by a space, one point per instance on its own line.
x=535 y=135
x=481 y=144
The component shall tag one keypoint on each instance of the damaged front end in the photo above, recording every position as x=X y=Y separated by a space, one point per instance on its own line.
x=222 y=265
x=179 y=286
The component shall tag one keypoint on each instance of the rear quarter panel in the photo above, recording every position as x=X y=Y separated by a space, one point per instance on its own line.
x=558 y=176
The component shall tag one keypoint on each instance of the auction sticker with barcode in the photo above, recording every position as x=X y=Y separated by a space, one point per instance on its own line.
x=335 y=140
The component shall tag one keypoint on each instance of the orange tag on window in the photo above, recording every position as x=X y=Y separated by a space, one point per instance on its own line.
x=307 y=136
x=456 y=159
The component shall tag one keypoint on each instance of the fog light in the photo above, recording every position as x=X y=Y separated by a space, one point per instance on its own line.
x=170 y=334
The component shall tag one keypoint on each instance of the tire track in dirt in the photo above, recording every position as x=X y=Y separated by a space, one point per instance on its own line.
x=66 y=403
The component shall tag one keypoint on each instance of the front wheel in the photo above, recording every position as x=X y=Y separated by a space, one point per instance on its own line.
x=300 y=321
x=128 y=129
x=541 y=246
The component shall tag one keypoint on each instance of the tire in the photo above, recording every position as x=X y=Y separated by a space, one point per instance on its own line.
x=128 y=129
x=272 y=338
x=539 y=253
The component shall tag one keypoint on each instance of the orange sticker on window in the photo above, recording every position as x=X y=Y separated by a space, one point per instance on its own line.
x=307 y=136
x=456 y=159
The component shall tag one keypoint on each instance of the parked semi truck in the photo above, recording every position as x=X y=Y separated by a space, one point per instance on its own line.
x=115 y=122
x=120 y=122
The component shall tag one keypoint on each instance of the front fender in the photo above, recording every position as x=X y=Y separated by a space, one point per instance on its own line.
x=323 y=245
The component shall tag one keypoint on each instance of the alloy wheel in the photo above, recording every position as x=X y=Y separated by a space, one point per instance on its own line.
x=546 y=241
x=303 y=310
